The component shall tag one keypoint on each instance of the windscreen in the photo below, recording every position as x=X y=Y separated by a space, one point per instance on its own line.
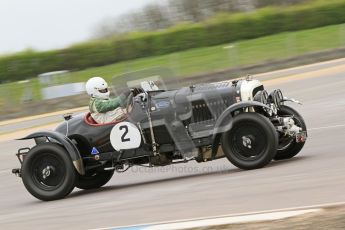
x=163 y=78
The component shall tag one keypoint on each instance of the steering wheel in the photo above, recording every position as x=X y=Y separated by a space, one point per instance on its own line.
x=129 y=101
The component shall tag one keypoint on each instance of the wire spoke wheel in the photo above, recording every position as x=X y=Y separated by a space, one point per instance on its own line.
x=284 y=142
x=288 y=147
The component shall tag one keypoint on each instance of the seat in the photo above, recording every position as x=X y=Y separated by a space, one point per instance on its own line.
x=90 y=121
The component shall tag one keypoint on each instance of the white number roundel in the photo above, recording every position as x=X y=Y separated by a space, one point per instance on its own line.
x=125 y=135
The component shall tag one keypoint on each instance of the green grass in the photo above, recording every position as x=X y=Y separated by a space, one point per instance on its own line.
x=243 y=53
x=209 y=59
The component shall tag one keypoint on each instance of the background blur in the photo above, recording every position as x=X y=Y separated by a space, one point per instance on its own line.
x=196 y=39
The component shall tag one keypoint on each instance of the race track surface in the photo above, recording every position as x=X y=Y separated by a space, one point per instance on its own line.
x=141 y=195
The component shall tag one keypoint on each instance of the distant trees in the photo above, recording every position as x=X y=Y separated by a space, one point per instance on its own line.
x=223 y=29
x=157 y=16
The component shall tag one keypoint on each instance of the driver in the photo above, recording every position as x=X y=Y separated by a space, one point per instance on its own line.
x=104 y=109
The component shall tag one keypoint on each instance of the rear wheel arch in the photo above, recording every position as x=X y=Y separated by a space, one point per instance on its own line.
x=70 y=148
x=82 y=144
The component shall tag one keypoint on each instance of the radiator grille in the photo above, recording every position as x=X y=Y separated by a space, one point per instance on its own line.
x=203 y=111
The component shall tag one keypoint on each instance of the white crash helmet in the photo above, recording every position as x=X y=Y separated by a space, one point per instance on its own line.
x=97 y=87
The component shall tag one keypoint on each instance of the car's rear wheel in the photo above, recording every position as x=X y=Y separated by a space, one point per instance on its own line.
x=94 y=180
x=252 y=141
x=288 y=146
x=48 y=172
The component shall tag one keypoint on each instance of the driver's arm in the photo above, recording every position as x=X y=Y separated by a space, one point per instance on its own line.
x=104 y=106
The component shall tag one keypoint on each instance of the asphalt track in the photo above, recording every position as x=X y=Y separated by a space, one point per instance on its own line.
x=141 y=195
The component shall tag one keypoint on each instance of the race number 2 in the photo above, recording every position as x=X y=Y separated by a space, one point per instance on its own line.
x=125 y=135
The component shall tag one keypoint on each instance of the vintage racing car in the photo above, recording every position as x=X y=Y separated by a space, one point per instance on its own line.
x=235 y=119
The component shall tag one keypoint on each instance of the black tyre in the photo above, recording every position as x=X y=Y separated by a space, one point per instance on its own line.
x=288 y=147
x=48 y=172
x=251 y=143
x=94 y=180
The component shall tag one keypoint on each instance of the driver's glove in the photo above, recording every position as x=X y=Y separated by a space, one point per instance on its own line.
x=136 y=91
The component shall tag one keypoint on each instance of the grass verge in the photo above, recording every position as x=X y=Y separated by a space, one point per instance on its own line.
x=201 y=60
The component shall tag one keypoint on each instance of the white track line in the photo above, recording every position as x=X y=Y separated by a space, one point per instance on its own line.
x=327 y=127
x=229 y=220
x=6 y=171
x=309 y=207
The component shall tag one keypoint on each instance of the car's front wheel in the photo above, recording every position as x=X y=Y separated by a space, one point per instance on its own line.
x=48 y=172
x=288 y=146
x=252 y=141
x=94 y=180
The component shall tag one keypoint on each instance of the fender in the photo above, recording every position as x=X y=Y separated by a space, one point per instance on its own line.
x=291 y=100
x=66 y=142
x=225 y=121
